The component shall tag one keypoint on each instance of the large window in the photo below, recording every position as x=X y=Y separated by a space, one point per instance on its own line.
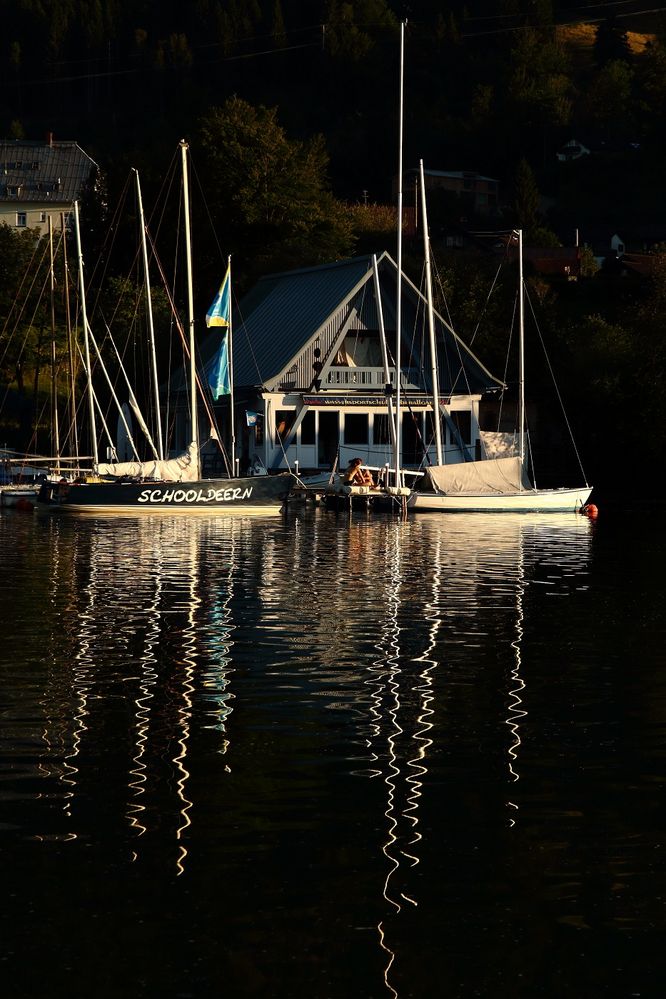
x=356 y=428
x=21 y=218
x=381 y=432
x=412 y=438
x=308 y=428
x=284 y=419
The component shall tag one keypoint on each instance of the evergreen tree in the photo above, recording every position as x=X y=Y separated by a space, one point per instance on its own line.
x=525 y=197
x=611 y=43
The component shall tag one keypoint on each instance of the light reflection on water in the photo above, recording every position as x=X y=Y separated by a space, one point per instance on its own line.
x=357 y=732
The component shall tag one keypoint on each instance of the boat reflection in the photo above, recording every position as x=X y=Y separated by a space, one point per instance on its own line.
x=475 y=573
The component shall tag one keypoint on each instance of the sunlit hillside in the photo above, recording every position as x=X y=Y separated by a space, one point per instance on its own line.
x=579 y=40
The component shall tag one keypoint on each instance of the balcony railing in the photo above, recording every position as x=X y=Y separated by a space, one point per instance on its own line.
x=367 y=378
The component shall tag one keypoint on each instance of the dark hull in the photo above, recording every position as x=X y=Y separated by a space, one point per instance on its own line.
x=254 y=494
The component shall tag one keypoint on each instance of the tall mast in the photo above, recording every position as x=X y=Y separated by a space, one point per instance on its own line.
x=151 y=328
x=190 y=307
x=434 y=374
x=86 y=338
x=521 y=351
x=73 y=430
x=230 y=354
x=398 y=321
x=55 y=429
x=382 y=339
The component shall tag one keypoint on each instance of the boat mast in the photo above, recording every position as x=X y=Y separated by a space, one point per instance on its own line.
x=521 y=352
x=431 y=323
x=190 y=308
x=55 y=429
x=382 y=339
x=230 y=352
x=151 y=328
x=73 y=429
x=86 y=338
x=398 y=322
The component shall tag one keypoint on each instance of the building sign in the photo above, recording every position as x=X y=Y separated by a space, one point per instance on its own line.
x=370 y=401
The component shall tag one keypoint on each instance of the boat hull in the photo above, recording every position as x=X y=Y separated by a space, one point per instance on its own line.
x=263 y=494
x=525 y=501
x=20 y=497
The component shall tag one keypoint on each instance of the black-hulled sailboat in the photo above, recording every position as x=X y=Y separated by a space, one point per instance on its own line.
x=165 y=485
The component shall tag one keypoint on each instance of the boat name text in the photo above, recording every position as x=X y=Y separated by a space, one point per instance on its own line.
x=194 y=495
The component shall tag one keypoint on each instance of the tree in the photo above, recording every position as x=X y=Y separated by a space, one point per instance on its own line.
x=525 y=197
x=608 y=99
x=611 y=43
x=351 y=28
x=270 y=191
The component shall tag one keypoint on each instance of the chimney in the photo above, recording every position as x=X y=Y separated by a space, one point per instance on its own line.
x=49 y=139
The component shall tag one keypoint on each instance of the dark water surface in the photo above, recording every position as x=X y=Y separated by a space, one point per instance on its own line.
x=330 y=757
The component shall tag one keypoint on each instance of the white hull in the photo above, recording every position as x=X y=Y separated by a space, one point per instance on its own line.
x=525 y=501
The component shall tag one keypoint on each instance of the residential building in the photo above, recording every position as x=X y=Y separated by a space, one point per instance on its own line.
x=41 y=179
x=478 y=194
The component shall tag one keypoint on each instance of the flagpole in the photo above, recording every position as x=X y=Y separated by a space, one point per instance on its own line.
x=231 y=378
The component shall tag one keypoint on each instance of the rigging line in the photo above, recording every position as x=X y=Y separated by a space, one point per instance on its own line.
x=485 y=304
x=213 y=227
x=557 y=389
x=31 y=323
x=19 y=296
x=440 y=284
x=186 y=350
x=501 y=265
x=164 y=195
x=101 y=266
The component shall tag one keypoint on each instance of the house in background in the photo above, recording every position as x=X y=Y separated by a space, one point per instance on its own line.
x=38 y=179
x=572 y=150
x=310 y=381
x=478 y=195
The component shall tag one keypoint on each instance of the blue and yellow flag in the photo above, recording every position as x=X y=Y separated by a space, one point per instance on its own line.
x=219 y=314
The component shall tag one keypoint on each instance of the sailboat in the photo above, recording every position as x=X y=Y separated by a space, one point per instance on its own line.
x=163 y=485
x=493 y=484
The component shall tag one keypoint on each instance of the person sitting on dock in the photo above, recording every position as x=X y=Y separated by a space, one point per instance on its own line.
x=356 y=475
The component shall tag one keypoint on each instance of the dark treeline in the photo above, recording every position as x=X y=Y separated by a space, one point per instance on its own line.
x=291 y=109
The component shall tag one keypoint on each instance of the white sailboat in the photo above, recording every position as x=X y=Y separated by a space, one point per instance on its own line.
x=492 y=484
x=161 y=484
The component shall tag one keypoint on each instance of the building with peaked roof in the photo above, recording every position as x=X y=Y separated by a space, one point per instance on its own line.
x=41 y=179
x=477 y=193
x=311 y=383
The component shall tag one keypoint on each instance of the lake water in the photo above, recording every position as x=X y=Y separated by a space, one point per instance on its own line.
x=332 y=756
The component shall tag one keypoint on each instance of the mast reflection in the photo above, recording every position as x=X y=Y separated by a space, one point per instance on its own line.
x=145 y=632
x=474 y=580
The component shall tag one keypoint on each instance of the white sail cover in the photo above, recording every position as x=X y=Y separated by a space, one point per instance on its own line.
x=184 y=468
x=494 y=475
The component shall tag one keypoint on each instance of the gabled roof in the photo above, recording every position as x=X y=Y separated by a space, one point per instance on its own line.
x=285 y=312
x=453 y=174
x=43 y=171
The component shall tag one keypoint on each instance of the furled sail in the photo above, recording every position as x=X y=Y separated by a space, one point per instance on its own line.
x=494 y=475
x=184 y=468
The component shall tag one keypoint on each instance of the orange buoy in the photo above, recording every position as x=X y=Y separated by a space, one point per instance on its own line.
x=590 y=510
